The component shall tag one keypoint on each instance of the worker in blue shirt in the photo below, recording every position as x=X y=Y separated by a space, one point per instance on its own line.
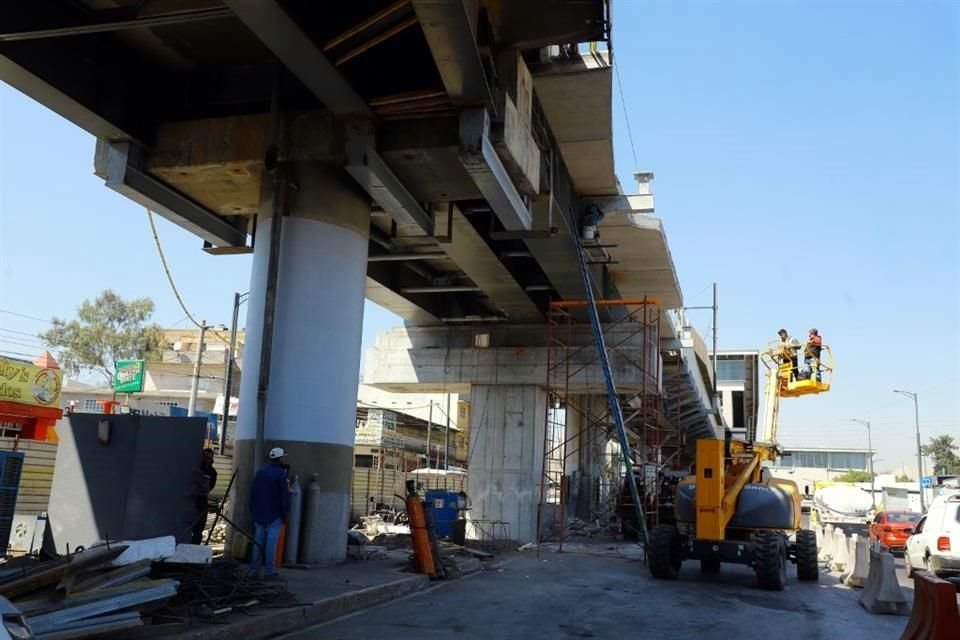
x=269 y=505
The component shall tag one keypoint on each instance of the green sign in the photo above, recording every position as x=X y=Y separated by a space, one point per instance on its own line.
x=128 y=377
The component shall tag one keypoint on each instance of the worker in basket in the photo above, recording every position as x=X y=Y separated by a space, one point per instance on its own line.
x=788 y=351
x=811 y=356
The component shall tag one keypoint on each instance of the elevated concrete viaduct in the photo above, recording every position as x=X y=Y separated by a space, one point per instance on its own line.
x=433 y=156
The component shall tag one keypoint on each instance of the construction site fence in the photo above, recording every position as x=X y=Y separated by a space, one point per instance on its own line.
x=369 y=487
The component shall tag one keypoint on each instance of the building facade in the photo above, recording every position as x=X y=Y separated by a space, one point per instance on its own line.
x=808 y=465
x=738 y=385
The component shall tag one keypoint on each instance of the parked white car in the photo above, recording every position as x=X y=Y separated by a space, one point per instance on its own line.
x=935 y=543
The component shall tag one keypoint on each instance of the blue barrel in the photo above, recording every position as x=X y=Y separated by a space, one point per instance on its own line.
x=442 y=506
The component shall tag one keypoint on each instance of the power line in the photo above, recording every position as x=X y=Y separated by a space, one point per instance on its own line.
x=21 y=333
x=626 y=116
x=23 y=315
x=176 y=293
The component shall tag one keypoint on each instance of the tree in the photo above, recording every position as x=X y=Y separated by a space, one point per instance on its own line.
x=903 y=478
x=854 y=476
x=105 y=331
x=941 y=449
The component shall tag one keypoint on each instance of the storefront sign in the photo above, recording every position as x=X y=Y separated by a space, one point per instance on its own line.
x=218 y=405
x=26 y=383
x=379 y=429
x=128 y=377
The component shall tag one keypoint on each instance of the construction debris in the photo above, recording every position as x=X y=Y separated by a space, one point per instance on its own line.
x=86 y=595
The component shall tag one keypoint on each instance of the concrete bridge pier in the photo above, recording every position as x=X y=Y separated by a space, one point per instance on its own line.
x=315 y=362
x=506 y=459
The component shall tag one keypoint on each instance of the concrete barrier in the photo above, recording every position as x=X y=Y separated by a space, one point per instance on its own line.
x=859 y=567
x=851 y=557
x=935 y=615
x=882 y=592
x=826 y=550
x=840 y=551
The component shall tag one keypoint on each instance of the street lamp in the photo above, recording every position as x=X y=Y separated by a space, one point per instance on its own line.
x=916 y=417
x=873 y=488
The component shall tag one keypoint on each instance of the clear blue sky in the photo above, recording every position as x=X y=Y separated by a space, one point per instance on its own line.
x=807 y=158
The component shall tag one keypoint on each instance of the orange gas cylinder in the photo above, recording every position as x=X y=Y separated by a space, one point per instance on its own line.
x=422 y=553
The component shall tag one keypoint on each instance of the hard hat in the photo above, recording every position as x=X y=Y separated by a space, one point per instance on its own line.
x=276 y=453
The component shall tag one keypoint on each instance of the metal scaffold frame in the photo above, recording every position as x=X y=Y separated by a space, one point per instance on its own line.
x=640 y=400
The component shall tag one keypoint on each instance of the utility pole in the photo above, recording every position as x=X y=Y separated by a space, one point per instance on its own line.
x=429 y=425
x=873 y=488
x=714 y=307
x=716 y=392
x=238 y=299
x=195 y=382
x=446 y=438
x=916 y=418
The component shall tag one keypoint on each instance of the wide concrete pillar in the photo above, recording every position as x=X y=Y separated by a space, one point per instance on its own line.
x=315 y=362
x=507 y=425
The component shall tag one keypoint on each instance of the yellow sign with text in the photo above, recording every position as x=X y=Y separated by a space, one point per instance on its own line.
x=27 y=383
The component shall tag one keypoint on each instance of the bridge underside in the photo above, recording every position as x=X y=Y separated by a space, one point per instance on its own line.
x=434 y=157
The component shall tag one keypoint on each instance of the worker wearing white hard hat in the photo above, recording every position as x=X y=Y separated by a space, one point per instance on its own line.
x=269 y=505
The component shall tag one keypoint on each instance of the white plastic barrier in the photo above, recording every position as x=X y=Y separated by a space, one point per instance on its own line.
x=859 y=565
x=826 y=549
x=840 y=551
x=851 y=557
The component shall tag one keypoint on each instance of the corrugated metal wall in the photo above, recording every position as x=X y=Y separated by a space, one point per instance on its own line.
x=37 y=476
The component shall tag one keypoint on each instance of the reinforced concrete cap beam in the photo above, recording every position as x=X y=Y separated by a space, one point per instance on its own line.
x=481 y=161
x=269 y=22
x=123 y=175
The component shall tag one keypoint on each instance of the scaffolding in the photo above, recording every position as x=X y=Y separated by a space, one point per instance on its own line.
x=580 y=430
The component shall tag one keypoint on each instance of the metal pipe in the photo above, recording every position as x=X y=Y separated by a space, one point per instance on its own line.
x=383 y=37
x=160 y=20
x=516 y=254
x=365 y=24
x=195 y=379
x=273 y=267
x=429 y=424
x=474 y=319
x=441 y=289
x=538 y=287
x=401 y=257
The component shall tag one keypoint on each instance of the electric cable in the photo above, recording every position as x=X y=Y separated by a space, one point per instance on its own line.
x=176 y=293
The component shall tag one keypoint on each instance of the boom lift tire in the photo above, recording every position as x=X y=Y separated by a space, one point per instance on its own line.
x=710 y=565
x=665 y=552
x=770 y=561
x=808 y=567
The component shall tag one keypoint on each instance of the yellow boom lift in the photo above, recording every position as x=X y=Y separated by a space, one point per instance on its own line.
x=732 y=510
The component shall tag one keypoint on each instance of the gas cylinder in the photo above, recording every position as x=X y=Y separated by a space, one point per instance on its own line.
x=310 y=522
x=293 y=523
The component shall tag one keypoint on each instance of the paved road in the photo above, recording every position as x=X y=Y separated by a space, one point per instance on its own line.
x=907 y=583
x=588 y=595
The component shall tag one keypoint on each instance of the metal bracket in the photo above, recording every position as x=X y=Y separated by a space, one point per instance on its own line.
x=126 y=176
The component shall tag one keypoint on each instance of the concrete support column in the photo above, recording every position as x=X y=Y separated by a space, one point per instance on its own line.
x=507 y=425
x=311 y=403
